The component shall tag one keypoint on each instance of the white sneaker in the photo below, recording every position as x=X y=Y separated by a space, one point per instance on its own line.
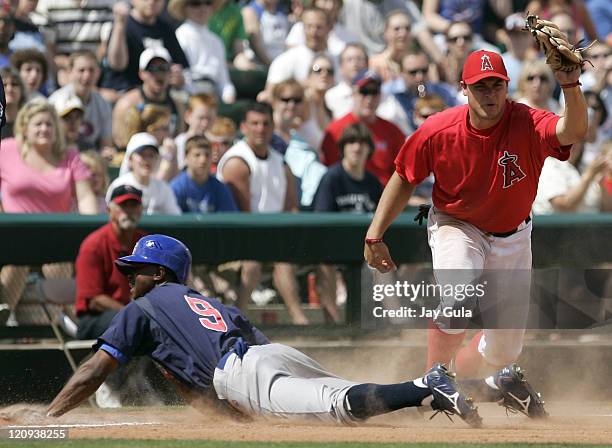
x=5 y=313
x=262 y=297
x=107 y=398
x=12 y=320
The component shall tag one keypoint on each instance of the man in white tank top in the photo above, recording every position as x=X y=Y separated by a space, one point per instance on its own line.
x=261 y=183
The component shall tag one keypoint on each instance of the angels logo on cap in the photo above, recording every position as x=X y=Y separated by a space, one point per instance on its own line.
x=486 y=63
x=483 y=64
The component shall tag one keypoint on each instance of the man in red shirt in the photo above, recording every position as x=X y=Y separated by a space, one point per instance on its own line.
x=486 y=157
x=387 y=137
x=101 y=289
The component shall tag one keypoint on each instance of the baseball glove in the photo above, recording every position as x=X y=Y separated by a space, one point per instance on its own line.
x=560 y=53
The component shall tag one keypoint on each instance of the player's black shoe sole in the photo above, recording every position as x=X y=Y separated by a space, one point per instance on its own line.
x=448 y=398
x=517 y=393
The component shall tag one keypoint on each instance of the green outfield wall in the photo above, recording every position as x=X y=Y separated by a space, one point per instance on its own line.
x=561 y=240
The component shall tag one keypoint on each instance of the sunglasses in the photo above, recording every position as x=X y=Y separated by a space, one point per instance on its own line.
x=162 y=68
x=196 y=3
x=465 y=37
x=318 y=69
x=416 y=71
x=292 y=99
x=542 y=78
x=369 y=92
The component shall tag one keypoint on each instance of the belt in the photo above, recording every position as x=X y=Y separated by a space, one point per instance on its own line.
x=240 y=347
x=223 y=360
x=511 y=232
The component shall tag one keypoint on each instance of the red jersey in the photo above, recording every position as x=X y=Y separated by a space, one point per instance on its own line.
x=388 y=139
x=487 y=178
x=96 y=272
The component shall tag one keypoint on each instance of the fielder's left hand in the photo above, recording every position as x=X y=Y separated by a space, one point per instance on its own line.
x=377 y=256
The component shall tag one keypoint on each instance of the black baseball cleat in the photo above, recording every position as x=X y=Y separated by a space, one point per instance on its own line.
x=517 y=393
x=448 y=398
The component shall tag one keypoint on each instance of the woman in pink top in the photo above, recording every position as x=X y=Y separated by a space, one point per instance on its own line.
x=38 y=175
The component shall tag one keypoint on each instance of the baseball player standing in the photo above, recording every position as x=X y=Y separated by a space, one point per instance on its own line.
x=486 y=157
x=199 y=343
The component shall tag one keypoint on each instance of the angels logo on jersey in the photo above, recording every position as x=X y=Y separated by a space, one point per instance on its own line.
x=512 y=171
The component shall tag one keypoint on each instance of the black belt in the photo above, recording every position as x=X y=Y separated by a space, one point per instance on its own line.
x=511 y=232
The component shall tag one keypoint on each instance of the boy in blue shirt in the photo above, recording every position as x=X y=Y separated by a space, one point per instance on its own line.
x=195 y=189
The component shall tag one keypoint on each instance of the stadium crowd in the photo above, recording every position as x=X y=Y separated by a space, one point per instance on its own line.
x=142 y=87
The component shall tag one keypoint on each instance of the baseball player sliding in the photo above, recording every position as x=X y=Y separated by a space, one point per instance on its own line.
x=199 y=343
x=486 y=157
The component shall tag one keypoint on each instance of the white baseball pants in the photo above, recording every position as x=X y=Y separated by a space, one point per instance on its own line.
x=278 y=381
x=460 y=247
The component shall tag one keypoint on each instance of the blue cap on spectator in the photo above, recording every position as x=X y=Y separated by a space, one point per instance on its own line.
x=365 y=77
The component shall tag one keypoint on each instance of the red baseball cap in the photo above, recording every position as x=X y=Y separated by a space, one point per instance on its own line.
x=482 y=64
x=124 y=193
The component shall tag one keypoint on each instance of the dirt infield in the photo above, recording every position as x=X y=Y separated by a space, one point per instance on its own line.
x=583 y=423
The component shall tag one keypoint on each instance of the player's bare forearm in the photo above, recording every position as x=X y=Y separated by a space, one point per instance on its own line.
x=572 y=127
x=102 y=302
x=83 y=383
x=393 y=200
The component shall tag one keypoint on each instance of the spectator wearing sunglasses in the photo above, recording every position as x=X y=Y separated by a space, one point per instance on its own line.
x=399 y=107
x=203 y=48
x=289 y=111
x=154 y=71
x=536 y=86
x=135 y=30
x=388 y=138
x=460 y=40
x=319 y=81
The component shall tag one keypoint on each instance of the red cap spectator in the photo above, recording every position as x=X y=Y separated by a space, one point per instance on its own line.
x=125 y=193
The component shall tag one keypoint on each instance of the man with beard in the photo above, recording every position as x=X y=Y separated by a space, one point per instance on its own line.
x=102 y=291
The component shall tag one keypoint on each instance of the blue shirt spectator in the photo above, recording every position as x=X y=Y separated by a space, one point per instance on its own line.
x=195 y=189
x=211 y=196
x=601 y=11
